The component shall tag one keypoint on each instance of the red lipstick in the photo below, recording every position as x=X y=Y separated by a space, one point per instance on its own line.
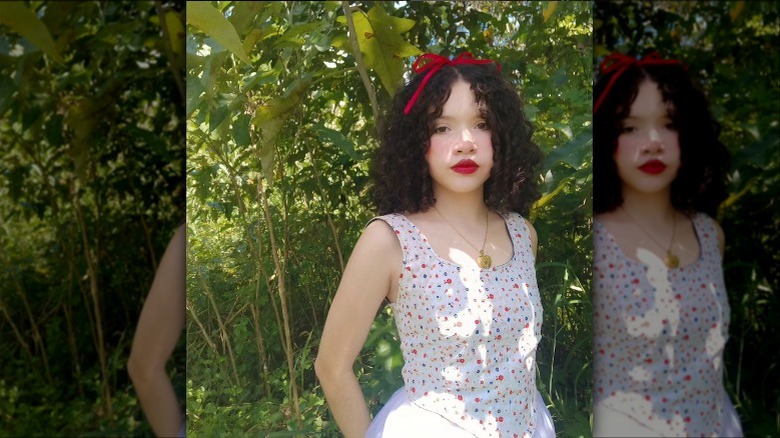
x=653 y=167
x=466 y=167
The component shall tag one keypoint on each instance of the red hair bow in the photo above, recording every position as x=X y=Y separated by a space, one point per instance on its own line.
x=433 y=63
x=619 y=63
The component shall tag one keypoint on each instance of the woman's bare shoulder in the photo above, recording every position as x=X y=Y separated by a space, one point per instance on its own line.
x=378 y=247
x=379 y=234
x=608 y=218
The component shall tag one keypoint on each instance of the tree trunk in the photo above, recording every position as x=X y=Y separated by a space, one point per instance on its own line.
x=225 y=335
x=283 y=299
x=260 y=342
x=37 y=338
x=92 y=272
x=19 y=336
x=265 y=276
x=203 y=331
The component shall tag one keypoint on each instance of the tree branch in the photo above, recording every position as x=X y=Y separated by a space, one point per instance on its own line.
x=169 y=51
x=359 y=59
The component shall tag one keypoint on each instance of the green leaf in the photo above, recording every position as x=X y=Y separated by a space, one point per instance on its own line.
x=217 y=117
x=195 y=89
x=212 y=73
x=31 y=116
x=573 y=153
x=380 y=40
x=7 y=89
x=270 y=117
x=549 y=9
x=243 y=15
x=332 y=136
x=241 y=130
x=53 y=131
x=530 y=112
x=280 y=107
x=152 y=141
x=20 y=18
x=203 y=187
x=300 y=30
x=559 y=78
x=176 y=35
x=757 y=153
x=269 y=130
x=16 y=178
x=208 y=19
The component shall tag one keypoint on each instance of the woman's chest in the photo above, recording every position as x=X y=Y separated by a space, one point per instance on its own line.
x=687 y=306
x=497 y=306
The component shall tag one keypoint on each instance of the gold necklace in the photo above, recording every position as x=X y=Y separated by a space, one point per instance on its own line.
x=671 y=260
x=484 y=261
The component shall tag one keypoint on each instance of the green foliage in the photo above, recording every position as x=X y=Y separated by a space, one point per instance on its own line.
x=379 y=38
x=210 y=20
x=277 y=175
x=22 y=20
x=91 y=189
x=731 y=50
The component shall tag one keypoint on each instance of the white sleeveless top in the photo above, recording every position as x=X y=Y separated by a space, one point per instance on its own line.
x=659 y=336
x=469 y=335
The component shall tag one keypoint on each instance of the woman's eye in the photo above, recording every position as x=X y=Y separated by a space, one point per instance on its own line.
x=440 y=129
x=627 y=129
x=483 y=126
x=671 y=126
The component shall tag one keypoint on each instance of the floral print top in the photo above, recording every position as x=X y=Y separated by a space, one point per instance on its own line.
x=469 y=335
x=659 y=335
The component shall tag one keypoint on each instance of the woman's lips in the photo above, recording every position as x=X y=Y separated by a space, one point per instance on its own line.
x=466 y=167
x=653 y=167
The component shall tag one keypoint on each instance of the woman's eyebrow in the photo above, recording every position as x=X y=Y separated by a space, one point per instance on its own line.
x=635 y=118
x=446 y=117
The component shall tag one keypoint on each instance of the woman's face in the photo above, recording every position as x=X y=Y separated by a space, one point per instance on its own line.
x=460 y=156
x=647 y=155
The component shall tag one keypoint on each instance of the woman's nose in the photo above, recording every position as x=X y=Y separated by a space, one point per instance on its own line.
x=654 y=144
x=466 y=143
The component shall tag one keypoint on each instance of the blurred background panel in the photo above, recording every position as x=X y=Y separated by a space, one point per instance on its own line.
x=91 y=191
x=731 y=49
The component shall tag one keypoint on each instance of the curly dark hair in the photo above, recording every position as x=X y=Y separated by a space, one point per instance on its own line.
x=401 y=180
x=700 y=184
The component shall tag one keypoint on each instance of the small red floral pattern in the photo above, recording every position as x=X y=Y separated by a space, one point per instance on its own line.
x=469 y=335
x=659 y=336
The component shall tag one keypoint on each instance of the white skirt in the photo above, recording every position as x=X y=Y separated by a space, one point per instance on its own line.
x=608 y=422
x=400 y=418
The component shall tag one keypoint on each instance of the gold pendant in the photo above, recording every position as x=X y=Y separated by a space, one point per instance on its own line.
x=484 y=260
x=671 y=260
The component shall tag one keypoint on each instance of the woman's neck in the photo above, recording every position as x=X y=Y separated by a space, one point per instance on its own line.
x=650 y=207
x=462 y=207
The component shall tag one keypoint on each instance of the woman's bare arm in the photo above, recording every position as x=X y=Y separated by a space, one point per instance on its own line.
x=721 y=239
x=367 y=279
x=533 y=236
x=159 y=327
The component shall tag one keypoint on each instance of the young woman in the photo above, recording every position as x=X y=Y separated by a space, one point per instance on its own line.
x=455 y=259
x=661 y=313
